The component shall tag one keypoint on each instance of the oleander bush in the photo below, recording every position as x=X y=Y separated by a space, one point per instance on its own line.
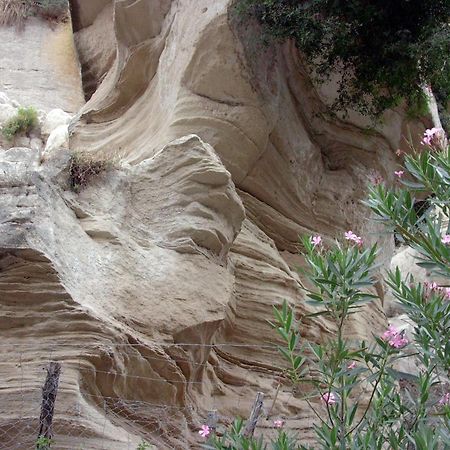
x=355 y=390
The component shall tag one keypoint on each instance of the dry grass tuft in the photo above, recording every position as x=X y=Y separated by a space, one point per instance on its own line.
x=14 y=12
x=84 y=167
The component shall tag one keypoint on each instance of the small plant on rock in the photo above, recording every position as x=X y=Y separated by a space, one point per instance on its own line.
x=55 y=10
x=83 y=168
x=43 y=443
x=23 y=122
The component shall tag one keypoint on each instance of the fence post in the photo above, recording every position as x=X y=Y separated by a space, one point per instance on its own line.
x=211 y=420
x=254 y=415
x=49 y=392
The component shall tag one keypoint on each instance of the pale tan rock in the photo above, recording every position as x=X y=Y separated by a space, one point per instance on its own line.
x=39 y=67
x=22 y=141
x=7 y=112
x=58 y=138
x=4 y=99
x=54 y=119
x=215 y=159
x=36 y=144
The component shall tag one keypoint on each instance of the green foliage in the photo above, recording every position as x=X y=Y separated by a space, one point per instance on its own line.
x=143 y=446
x=341 y=274
x=288 y=329
x=429 y=172
x=234 y=439
x=23 y=122
x=43 y=443
x=384 y=51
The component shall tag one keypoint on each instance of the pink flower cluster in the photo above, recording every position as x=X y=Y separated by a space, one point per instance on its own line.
x=446 y=239
x=445 y=399
x=352 y=365
x=316 y=240
x=431 y=287
x=204 y=431
x=329 y=398
x=399 y=173
x=278 y=423
x=432 y=136
x=350 y=236
x=375 y=178
x=394 y=337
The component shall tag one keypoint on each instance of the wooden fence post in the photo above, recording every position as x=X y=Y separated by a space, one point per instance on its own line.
x=49 y=392
x=254 y=415
x=211 y=420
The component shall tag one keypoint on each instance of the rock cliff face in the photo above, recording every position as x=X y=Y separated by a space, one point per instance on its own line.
x=153 y=284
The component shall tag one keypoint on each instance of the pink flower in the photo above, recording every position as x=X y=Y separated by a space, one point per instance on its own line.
x=431 y=135
x=430 y=288
x=350 y=236
x=389 y=333
x=398 y=341
x=445 y=399
x=316 y=240
x=394 y=337
x=399 y=173
x=352 y=365
x=446 y=239
x=278 y=423
x=375 y=178
x=329 y=398
x=204 y=431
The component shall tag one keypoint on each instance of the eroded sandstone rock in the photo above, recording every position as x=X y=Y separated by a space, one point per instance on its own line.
x=153 y=285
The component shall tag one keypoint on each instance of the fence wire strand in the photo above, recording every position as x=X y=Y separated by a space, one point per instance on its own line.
x=88 y=418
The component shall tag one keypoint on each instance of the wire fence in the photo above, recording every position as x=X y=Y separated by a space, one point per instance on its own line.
x=61 y=403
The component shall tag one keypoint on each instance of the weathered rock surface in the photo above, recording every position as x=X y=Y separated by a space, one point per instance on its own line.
x=54 y=119
x=153 y=285
x=38 y=65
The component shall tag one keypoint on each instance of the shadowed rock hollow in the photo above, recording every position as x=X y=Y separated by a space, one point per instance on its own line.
x=222 y=156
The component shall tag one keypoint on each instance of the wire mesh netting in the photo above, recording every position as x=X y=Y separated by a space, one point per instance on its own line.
x=43 y=409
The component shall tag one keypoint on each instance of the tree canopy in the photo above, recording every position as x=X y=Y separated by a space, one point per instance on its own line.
x=384 y=50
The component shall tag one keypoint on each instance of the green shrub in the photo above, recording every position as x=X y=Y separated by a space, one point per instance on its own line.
x=43 y=443
x=385 y=51
x=23 y=122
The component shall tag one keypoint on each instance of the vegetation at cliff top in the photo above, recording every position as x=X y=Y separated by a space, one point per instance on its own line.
x=15 y=12
x=384 y=51
x=23 y=122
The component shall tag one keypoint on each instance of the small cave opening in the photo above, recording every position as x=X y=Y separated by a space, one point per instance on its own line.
x=82 y=16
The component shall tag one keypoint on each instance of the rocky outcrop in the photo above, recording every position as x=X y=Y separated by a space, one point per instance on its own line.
x=39 y=67
x=153 y=284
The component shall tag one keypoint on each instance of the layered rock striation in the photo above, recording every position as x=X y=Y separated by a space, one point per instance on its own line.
x=154 y=282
